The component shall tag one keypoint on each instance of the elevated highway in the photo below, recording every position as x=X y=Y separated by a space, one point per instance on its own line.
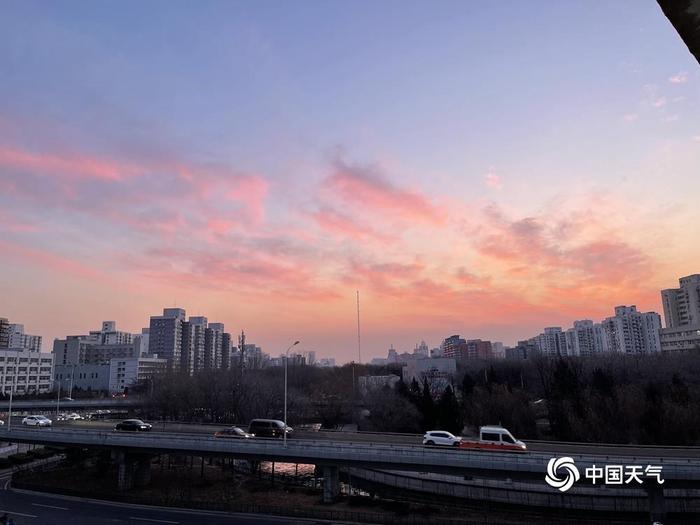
x=678 y=468
x=335 y=451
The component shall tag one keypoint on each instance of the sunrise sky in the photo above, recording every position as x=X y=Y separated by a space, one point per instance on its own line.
x=483 y=168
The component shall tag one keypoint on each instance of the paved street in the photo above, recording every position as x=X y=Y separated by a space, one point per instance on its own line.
x=35 y=509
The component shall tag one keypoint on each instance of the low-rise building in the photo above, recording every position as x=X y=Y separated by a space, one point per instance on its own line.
x=680 y=339
x=25 y=372
x=367 y=384
x=124 y=373
x=92 y=377
x=438 y=371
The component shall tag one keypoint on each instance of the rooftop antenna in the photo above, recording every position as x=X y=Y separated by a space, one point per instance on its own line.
x=359 y=346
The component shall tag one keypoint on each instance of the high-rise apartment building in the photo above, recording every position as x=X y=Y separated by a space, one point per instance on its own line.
x=109 y=335
x=4 y=332
x=213 y=341
x=586 y=338
x=682 y=304
x=227 y=351
x=552 y=342
x=632 y=332
x=454 y=347
x=18 y=339
x=165 y=336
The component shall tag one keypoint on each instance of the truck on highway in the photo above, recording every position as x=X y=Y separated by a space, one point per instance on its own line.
x=495 y=439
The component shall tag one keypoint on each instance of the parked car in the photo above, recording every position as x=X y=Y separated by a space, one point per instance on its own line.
x=36 y=421
x=272 y=428
x=74 y=417
x=232 y=432
x=441 y=437
x=133 y=425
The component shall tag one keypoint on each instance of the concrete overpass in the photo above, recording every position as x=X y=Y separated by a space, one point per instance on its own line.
x=133 y=452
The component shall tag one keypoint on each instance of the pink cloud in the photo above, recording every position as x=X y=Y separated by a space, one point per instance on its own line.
x=85 y=167
x=630 y=117
x=48 y=260
x=364 y=187
x=659 y=102
x=342 y=225
x=10 y=223
x=680 y=78
x=493 y=181
x=558 y=249
x=160 y=195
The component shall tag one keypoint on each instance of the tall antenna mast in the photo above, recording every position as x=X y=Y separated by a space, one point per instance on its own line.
x=241 y=344
x=359 y=346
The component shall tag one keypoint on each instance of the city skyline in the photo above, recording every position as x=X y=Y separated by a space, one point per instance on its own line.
x=487 y=172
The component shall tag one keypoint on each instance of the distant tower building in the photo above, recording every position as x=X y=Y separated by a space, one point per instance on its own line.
x=18 y=339
x=109 y=335
x=4 y=332
x=586 y=338
x=165 y=336
x=632 y=332
x=498 y=350
x=212 y=345
x=682 y=305
x=226 y=351
x=422 y=349
x=552 y=342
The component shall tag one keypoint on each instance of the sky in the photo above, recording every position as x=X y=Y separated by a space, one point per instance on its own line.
x=483 y=169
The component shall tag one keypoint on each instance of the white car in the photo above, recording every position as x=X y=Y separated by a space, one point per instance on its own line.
x=441 y=437
x=73 y=417
x=36 y=421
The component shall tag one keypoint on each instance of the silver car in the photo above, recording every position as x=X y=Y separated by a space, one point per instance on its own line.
x=36 y=421
x=441 y=437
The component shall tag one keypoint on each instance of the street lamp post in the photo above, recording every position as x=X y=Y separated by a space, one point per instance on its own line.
x=286 y=358
x=72 y=375
x=12 y=389
x=58 y=398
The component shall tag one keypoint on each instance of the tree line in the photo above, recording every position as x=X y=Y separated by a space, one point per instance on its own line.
x=647 y=399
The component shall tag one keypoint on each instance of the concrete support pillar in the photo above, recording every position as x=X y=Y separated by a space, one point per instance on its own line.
x=657 y=503
x=132 y=470
x=331 y=484
x=142 y=471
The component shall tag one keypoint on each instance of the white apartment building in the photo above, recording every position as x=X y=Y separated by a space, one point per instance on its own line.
x=124 y=373
x=586 y=338
x=18 y=339
x=552 y=342
x=109 y=335
x=23 y=371
x=682 y=304
x=632 y=332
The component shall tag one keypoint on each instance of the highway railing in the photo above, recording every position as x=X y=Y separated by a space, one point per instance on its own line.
x=328 y=452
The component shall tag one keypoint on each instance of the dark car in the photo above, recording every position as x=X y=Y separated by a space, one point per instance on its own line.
x=272 y=428
x=232 y=432
x=133 y=425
